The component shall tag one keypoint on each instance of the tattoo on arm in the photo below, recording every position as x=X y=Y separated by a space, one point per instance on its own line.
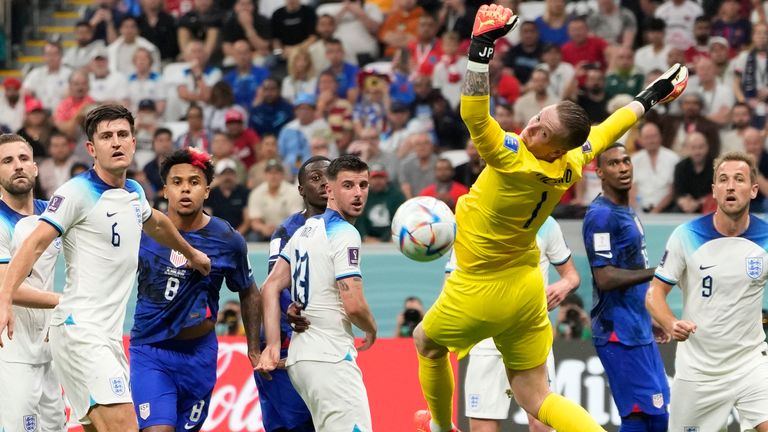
x=344 y=286
x=475 y=84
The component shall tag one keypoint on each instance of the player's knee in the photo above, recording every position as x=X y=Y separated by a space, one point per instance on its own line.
x=537 y=426
x=426 y=346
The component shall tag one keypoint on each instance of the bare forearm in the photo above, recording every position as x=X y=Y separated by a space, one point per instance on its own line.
x=656 y=303
x=475 y=84
x=161 y=229
x=20 y=266
x=27 y=296
x=271 y=310
x=363 y=319
x=250 y=301
x=612 y=278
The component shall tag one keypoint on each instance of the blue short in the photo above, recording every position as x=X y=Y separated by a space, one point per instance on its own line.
x=636 y=376
x=281 y=407
x=172 y=381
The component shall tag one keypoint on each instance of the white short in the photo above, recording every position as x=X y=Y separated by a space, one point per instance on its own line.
x=334 y=393
x=705 y=405
x=486 y=388
x=92 y=368
x=35 y=402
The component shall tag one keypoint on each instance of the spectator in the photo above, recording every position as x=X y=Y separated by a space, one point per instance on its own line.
x=246 y=141
x=421 y=107
x=196 y=136
x=505 y=115
x=624 y=79
x=293 y=140
x=54 y=170
x=427 y=49
x=372 y=153
x=449 y=70
x=592 y=96
x=409 y=317
x=401 y=87
x=267 y=151
x=395 y=133
x=751 y=69
x=293 y=25
x=200 y=76
x=538 y=97
x=245 y=78
x=222 y=100
x=228 y=198
x=12 y=104
x=272 y=201
x=384 y=198
x=674 y=128
x=203 y=23
x=613 y=23
x=654 y=168
x=679 y=16
x=346 y=73
x=754 y=144
x=370 y=110
x=560 y=72
x=654 y=54
x=228 y=323
x=121 y=51
x=731 y=25
x=78 y=168
x=270 y=111
x=245 y=23
x=37 y=128
x=583 y=48
x=553 y=24
x=457 y=16
x=159 y=27
x=718 y=52
x=326 y=27
x=144 y=84
x=222 y=148
x=47 y=82
x=523 y=57
x=470 y=170
x=400 y=27
x=445 y=188
x=71 y=111
x=336 y=111
x=146 y=122
x=162 y=145
x=357 y=24
x=503 y=83
x=320 y=143
x=301 y=75
x=448 y=127
x=104 y=17
x=693 y=176
x=718 y=97
x=106 y=85
x=732 y=137
x=572 y=321
x=702 y=29
x=418 y=170
x=79 y=55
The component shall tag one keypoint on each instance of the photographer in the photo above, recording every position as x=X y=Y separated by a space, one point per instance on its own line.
x=572 y=321
x=413 y=312
x=229 y=319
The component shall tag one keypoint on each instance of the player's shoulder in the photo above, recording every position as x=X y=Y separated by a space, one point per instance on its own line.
x=225 y=233
x=757 y=231
x=549 y=226
x=599 y=210
x=695 y=233
x=40 y=206
x=134 y=186
x=87 y=185
x=291 y=224
x=335 y=224
x=8 y=216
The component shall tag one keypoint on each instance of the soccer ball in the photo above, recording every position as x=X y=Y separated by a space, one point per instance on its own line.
x=423 y=228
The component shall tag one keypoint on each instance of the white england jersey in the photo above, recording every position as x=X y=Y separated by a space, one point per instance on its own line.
x=100 y=226
x=722 y=279
x=552 y=250
x=28 y=344
x=326 y=249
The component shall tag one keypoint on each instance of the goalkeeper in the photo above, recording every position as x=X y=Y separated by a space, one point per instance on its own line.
x=497 y=289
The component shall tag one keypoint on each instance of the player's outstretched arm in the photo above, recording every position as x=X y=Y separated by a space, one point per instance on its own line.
x=357 y=309
x=18 y=269
x=250 y=303
x=161 y=229
x=656 y=303
x=279 y=277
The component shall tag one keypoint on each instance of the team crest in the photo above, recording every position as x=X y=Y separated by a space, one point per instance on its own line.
x=144 y=411
x=137 y=210
x=474 y=401
x=57 y=243
x=511 y=143
x=754 y=267
x=178 y=259
x=30 y=423
x=658 y=400
x=118 y=385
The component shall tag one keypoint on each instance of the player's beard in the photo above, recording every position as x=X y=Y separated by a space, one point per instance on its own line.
x=14 y=188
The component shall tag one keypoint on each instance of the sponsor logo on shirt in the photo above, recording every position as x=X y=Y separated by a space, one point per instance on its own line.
x=54 y=203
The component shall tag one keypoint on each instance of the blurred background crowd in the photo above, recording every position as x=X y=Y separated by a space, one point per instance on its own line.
x=263 y=86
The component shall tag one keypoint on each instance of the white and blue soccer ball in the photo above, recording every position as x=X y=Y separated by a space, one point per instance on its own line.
x=424 y=228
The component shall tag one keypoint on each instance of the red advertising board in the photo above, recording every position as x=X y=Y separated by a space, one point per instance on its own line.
x=390 y=372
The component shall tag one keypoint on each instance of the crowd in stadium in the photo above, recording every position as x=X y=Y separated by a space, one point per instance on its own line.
x=262 y=87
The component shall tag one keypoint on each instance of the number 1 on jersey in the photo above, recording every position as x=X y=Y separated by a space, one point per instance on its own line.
x=536 y=210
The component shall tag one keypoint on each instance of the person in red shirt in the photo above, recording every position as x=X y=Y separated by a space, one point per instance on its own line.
x=245 y=139
x=427 y=49
x=445 y=188
x=583 y=48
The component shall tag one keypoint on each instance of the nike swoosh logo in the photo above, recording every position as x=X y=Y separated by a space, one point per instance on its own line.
x=188 y=426
x=608 y=255
x=111 y=214
x=701 y=267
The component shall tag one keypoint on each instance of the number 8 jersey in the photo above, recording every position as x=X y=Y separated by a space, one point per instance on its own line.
x=326 y=249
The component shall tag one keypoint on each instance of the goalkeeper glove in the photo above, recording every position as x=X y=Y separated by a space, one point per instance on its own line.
x=491 y=22
x=666 y=88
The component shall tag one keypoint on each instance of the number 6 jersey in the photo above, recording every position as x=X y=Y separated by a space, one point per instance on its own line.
x=325 y=250
x=722 y=279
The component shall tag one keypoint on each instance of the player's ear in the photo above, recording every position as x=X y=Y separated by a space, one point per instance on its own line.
x=91 y=149
x=165 y=192
x=207 y=191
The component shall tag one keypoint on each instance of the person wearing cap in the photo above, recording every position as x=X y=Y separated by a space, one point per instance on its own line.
x=654 y=54
x=121 y=51
x=245 y=139
x=79 y=55
x=12 y=104
x=144 y=84
x=48 y=82
x=384 y=198
x=105 y=84
x=69 y=113
x=228 y=198
x=719 y=52
x=272 y=201
x=293 y=140
x=36 y=128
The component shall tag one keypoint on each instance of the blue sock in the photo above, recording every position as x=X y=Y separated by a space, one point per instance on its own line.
x=633 y=423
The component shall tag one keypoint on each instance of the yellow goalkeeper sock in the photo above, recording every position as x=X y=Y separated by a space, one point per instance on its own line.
x=565 y=416
x=436 y=378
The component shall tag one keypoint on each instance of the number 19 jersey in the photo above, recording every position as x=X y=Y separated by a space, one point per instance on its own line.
x=326 y=249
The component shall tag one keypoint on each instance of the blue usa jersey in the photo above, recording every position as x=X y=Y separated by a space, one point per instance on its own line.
x=171 y=296
x=613 y=236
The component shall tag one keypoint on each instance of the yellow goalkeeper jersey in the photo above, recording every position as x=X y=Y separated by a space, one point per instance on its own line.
x=499 y=217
